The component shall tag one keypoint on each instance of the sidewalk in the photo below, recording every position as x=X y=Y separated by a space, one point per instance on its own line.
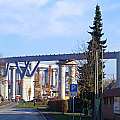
x=6 y=104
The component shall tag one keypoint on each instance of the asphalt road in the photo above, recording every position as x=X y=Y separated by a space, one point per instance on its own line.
x=11 y=113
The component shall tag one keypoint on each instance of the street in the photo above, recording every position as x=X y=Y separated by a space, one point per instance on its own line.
x=11 y=113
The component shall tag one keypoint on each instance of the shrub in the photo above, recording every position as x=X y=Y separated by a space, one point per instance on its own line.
x=58 y=105
x=78 y=105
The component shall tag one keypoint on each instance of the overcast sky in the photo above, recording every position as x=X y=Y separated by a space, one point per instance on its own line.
x=32 y=27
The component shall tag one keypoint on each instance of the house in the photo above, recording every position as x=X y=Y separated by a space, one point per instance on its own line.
x=111 y=104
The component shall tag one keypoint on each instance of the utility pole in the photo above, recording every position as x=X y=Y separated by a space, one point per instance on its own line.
x=101 y=95
x=96 y=90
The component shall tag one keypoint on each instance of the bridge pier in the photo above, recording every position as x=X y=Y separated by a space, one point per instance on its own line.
x=62 y=74
x=38 y=83
x=4 y=88
x=73 y=71
x=118 y=70
x=13 y=81
x=61 y=83
x=54 y=78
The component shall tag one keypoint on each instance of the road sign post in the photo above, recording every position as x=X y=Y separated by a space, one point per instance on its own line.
x=73 y=107
x=73 y=91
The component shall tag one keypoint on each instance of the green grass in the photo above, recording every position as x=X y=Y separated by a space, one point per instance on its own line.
x=26 y=105
x=69 y=117
x=65 y=117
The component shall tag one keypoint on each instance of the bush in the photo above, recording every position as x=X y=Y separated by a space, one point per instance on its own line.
x=58 y=105
x=43 y=102
x=78 y=105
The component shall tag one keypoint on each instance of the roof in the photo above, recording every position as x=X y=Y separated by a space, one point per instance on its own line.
x=112 y=92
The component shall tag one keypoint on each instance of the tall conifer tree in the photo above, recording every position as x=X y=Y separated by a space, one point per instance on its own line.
x=87 y=71
x=96 y=45
x=96 y=48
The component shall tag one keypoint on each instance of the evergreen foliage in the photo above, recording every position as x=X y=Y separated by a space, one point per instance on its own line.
x=96 y=45
x=95 y=52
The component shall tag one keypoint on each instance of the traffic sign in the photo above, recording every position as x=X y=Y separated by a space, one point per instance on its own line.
x=73 y=87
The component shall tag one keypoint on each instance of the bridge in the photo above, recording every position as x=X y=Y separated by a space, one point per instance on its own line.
x=13 y=65
x=60 y=57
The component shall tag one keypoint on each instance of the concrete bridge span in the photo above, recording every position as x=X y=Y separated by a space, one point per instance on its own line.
x=56 y=57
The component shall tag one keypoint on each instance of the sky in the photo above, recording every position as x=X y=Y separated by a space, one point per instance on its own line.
x=40 y=27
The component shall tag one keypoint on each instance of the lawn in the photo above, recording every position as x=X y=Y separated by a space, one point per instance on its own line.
x=26 y=105
x=62 y=116
x=68 y=117
x=65 y=117
x=54 y=115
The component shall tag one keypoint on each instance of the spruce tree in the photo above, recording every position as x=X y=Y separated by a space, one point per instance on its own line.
x=86 y=72
x=96 y=48
x=96 y=45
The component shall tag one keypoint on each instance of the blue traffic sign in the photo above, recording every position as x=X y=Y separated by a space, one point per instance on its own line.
x=73 y=87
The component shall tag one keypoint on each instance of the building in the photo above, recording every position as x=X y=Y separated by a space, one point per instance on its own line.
x=111 y=104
